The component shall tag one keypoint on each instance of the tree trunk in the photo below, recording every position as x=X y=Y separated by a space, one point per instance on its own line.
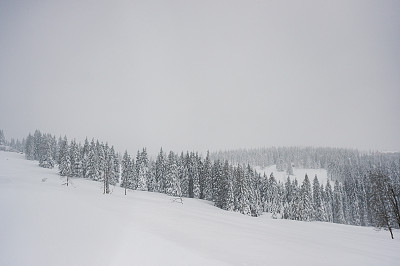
x=391 y=233
x=125 y=185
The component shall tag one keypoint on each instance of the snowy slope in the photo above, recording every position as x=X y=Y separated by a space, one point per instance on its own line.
x=298 y=173
x=46 y=223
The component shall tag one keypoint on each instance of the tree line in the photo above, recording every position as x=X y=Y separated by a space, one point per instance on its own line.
x=364 y=192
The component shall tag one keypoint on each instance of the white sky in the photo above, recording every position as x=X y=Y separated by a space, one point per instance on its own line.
x=201 y=75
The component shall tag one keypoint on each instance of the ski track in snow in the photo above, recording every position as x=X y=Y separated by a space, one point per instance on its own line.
x=47 y=223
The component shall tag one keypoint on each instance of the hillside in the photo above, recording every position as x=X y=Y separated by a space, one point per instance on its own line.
x=46 y=223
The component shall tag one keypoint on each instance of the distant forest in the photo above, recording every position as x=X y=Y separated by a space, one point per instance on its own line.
x=366 y=188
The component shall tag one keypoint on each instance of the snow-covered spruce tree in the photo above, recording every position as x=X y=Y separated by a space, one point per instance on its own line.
x=29 y=148
x=328 y=201
x=306 y=209
x=189 y=167
x=108 y=172
x=338 y=216
x=142 y=166
x=184 y=174
x=241 y=191
x=172 y=184
x=65 y=167
x=2 y=138
x=151 y=177
x=273 y=202
x=117 y=168
x=295 y=207
x=319 y=213
x=160 y=172
x=85 y=158
x=194 y=185
x=46 y=156
x=207 y=178
x=92 y=166
x=76 y=159
x=287 y=199
x=224 y=196
x=127 y=171
x=65 y=162
x=256 y=205
x=37 y=140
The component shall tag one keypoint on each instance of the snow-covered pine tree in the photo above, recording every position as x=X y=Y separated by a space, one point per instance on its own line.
x=207 y=178
x=241 y=191
x=338 y=216
x=127 y=173
x=184 y=174
x=85 y=158
x=92 y=171
x=46 y=156
x=2 y=138
x=306 y=208
x=160 y=170
x=151 y=176
x=172 y=184
x=194 y=185
x=256 y=205
x=65 y=166
x=328 y=200
x=37 y=140
x=117 y=168
x=318 y=204
x=224 y=196
x=142 y=166
x=29 y=148
x=76 y=159
x=274 y=198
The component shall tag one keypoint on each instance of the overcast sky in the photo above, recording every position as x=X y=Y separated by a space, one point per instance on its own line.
x=199 y=75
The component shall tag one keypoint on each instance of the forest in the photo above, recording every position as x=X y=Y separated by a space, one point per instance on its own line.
x=363 y=188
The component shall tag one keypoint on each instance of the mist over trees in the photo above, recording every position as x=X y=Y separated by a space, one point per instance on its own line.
x=365 y=192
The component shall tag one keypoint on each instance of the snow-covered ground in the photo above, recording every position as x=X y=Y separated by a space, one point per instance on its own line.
x=298 y=173
x=43 y=222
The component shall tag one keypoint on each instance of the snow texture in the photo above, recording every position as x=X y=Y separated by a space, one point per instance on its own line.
x=46 y=223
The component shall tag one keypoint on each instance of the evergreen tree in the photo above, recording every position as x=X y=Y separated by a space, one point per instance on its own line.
x=29 y=148
x=318 y=204
x=338 y=216
x=92 y=170
x=127 y=172
x=2 y=138
x=142 y=165
x=85 y=158
x=160 y=174
x=241 y=192
x=328 y=199
x=37 y=141
x=184 y=174
x=46 y=157
x=172 y=184
x=306 y=209
x=207 y=178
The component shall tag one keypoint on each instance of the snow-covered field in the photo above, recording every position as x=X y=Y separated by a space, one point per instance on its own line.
x=298 y=173
x=43 y=222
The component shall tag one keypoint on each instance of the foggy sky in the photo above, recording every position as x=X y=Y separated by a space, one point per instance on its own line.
x=203 y=75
